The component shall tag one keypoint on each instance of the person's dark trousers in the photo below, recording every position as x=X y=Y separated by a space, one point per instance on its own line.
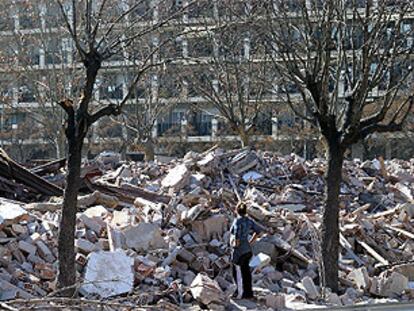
x=243 y=277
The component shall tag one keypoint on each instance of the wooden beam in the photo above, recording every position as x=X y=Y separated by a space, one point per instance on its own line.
x=373 y=253
x=50 y=167
x=401 y=231
x=345 y=244
x=12 y=170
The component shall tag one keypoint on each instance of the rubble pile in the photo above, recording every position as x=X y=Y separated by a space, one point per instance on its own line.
x=159 y=231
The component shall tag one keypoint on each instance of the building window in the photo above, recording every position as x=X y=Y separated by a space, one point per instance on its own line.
x=111 y=87
x=200 y=124
x=407 y=33
x=230 y=45
x=171 y=124
x=141 y=10
x=26 y=94
x=258 y=46
x=6 y=23
x=171 y=8
x=201 y=47
x=296 y=6
x=231 y=9
x=8 y=53
x=12 y=120
x=201 y=9
x=199 y=82
x=68 y=52
x=141 y=90
x=263 y=123
x=29 y=17
x=352 y=4
x=53 y=52
x=169 y=86
x=6 y=92
x=291 y=88
x=172 y=46
x=29 y=51
x=52 y=15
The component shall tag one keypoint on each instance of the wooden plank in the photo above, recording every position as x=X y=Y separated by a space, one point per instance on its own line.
x=106 y=190
x=373 y=253
x=233 y=185
x=143 y=193
x=361 y=209
x=368 y=238
x=127 y=193
x=401 y=231
x=13 y=170
x=384 y=214
x=280 y=244
x=345 y=244
x=50 y=167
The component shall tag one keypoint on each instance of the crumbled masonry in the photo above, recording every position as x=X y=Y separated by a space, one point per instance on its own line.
x=159 y=231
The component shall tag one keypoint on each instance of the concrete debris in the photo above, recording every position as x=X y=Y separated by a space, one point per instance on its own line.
x=206 y=290
x=252 y=176
x=121 y=219
x=211 y=227
x=97 y=211
x=162 y=229
x=405 y=269
x=144 y=237
x=276 y=301
x=27 y=247
x=85 y=246
x=259 y=261
x=409 y=209
x=360 y=277
x=333 y=299
x=395 y=284
x=9 y=291
x=108 y=274
x=11 y=213
x=310 y=288
x=177 y=178
x=265 y=247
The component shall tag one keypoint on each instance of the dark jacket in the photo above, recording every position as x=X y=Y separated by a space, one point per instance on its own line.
x=241 y=229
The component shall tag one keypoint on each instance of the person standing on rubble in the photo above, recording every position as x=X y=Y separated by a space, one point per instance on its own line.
x=241 y=254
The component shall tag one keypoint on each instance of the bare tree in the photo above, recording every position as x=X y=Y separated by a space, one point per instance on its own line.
x=141 y=116
x=41 y=67
x=224 y=68
x=98 y=30
x=18 y=137
x=345 y=67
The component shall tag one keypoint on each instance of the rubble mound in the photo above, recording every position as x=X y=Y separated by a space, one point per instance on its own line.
x=157 y=233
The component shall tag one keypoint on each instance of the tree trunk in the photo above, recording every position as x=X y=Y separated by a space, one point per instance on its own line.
x=123 y=150
x=244 y=137
x=66 y=247
x=330 y=221
x=60 y=145
x=78 y=124
x=149 y=150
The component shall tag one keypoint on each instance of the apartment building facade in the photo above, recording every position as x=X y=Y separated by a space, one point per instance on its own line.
x=35 y=42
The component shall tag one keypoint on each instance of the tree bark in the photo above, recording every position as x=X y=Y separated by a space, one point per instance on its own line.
x=149 y=150
x=60 y=145
x=244 y=137
x=66 y=247
x=330 y=221
x=123 y=150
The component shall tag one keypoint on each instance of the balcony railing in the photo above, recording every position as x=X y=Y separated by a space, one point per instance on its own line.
x=200 y=129
x=168 y=128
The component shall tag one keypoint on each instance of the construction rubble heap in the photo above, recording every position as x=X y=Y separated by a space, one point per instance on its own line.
x=157 y=233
